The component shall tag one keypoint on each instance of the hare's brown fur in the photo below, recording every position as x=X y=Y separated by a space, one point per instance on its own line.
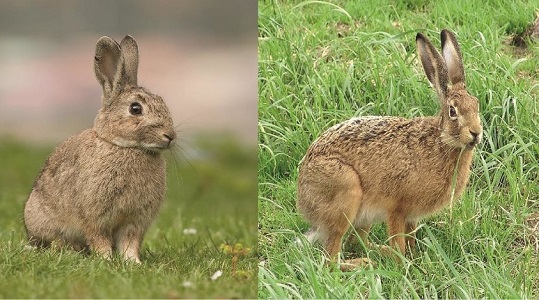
x=102 y=188
x=389 y=169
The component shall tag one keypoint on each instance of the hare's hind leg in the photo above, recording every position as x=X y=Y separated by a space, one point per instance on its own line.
x=329 y=193
x=337 y=220
x=363 y=232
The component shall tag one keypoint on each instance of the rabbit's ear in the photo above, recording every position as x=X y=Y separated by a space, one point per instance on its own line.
x=108 y=66
x=452 y=57
x=434 y=66
x=130 y=53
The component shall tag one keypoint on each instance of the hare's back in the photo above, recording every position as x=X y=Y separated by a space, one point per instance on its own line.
x=379 y=149
x=350 y=136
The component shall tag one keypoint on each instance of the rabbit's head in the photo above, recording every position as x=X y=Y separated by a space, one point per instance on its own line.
x=459 y=117
x=130 y=115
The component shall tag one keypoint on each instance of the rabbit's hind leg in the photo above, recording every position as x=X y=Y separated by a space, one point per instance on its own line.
x=42 y=224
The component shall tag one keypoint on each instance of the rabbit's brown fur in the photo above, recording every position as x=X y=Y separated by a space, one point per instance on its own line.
x=389 y=169
x=102 y=188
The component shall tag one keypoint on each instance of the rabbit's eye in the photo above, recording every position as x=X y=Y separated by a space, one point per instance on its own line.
x=452 y=112
x=135 y=108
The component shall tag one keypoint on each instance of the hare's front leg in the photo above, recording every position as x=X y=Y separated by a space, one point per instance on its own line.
x=128 y=239
x=411 y=227
x=396 y=227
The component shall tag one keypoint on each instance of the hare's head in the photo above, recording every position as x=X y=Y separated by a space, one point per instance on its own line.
x=130 y=115
x=459 y=117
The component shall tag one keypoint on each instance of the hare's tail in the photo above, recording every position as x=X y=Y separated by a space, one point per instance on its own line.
x=313 y=235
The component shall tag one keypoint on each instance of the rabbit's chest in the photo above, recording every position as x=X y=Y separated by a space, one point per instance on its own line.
x=127 y=188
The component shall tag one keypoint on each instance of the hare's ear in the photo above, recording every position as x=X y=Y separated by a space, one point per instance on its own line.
x=452 y=57
x=434 y=66
x=130 y=53
x=108 y=67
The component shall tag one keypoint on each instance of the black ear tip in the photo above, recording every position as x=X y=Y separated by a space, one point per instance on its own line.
x=419 y=36
x=446 y=35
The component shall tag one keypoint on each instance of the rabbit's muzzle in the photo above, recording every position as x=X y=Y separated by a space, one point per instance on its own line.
x=168 y=139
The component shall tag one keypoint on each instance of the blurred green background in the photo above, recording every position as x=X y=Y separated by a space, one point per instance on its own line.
x=200 y=56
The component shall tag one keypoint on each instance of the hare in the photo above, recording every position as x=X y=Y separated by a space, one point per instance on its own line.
x=389 y=169
x=101 y=189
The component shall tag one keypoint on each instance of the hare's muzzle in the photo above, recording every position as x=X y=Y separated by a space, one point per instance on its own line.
x=476 y=138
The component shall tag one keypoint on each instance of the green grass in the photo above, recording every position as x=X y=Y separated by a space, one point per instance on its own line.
x=213 y=193
x=321 y=63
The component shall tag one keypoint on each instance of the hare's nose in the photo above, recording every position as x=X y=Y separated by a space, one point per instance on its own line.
x=476 y=137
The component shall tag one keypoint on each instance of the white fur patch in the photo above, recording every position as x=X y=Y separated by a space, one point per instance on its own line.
x=449 y=54
x=312 y=236
x=368 y=215
x=124 y=143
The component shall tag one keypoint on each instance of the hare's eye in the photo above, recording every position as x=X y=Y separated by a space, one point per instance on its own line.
x=452 y=112
x=135 y=108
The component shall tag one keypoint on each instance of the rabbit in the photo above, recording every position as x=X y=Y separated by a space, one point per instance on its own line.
x=101 y=189
x=388 y=169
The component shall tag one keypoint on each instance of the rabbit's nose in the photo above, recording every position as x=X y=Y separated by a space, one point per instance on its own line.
x=169 y=137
